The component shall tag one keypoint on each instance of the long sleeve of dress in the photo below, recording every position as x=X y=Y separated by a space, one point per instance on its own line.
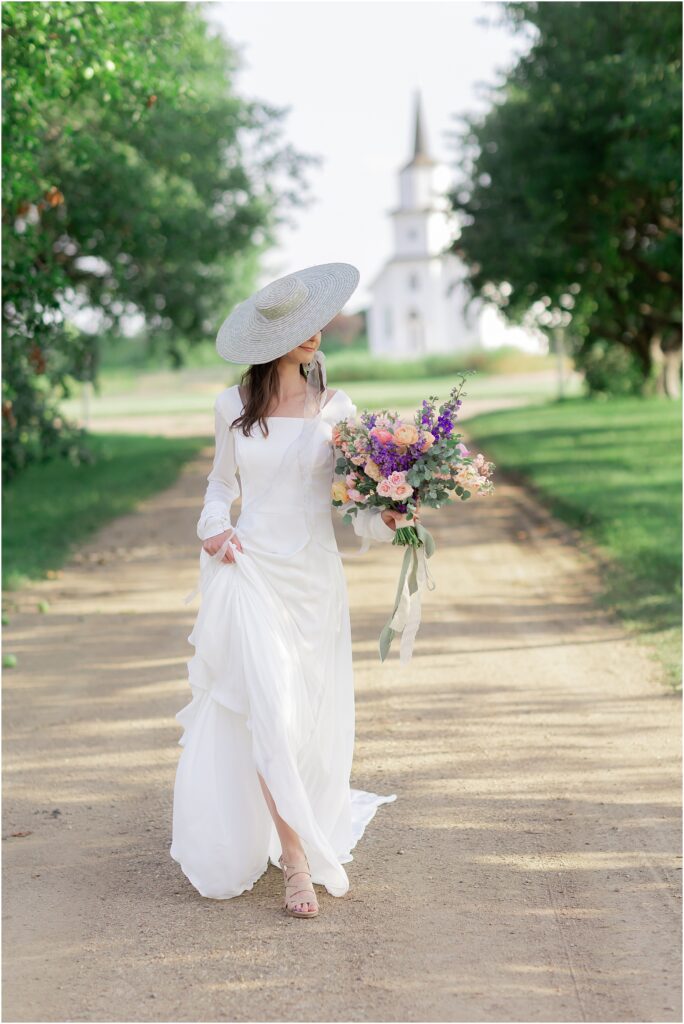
x=222 y=483
x=367 y=522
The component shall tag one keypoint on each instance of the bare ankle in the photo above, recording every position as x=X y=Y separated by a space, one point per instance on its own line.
x=293 y=854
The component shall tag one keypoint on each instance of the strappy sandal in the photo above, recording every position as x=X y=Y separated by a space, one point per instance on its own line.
x=289 y=901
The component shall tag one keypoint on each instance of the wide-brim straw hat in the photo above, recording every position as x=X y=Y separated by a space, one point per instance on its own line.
x=285 y=313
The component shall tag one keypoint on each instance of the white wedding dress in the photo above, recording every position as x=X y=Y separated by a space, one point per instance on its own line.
x=271 y=676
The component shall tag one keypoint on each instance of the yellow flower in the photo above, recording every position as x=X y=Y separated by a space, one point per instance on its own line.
x=373 y=470
x=406 y=434
x=339 y=491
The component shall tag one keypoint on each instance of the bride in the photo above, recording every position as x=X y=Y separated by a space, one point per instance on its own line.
x=268 y=735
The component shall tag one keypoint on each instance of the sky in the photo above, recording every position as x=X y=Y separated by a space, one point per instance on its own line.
x=348 y=72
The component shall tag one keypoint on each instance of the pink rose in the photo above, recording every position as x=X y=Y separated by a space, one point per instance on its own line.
x=402 y=491
x=383 y=436
x=350 y=479
x=357 y=495
x=397 y=477
x=462 y=448
x=384 y=488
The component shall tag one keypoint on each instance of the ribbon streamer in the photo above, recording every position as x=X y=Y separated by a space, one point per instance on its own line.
x=406 y=614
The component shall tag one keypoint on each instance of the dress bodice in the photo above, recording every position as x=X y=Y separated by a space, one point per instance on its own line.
x=286 y=499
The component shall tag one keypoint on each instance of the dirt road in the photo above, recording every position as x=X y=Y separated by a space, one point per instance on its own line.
x=528 y=869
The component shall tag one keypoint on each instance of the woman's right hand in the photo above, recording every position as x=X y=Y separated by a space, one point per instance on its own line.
x=394 y=519
x=212 y=544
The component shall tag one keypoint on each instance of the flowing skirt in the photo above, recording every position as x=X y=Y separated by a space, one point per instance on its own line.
x=272 y=691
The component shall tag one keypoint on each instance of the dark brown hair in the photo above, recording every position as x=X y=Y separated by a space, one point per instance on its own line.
x=260 y=382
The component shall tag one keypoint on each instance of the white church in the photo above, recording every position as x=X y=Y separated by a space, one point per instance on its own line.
x=418 y=299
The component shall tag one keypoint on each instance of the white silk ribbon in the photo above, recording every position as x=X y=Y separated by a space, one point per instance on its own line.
x=407 y=616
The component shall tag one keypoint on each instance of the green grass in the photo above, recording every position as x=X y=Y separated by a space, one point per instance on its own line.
x=399 y=394
x=51 y=508
x=136 y=381
x=612 y=469
x=126 y=358
x=190 y=392
x=359 y=365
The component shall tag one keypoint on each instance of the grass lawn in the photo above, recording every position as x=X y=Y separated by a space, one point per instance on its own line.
x=613 y=469
x=50 y=508
x=192 y=392
x=408 y=394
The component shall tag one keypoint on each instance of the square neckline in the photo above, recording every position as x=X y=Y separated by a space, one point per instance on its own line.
x=329 y=402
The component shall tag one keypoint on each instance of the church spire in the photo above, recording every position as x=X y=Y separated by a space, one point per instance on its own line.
x=420 y=149
x=419 y=144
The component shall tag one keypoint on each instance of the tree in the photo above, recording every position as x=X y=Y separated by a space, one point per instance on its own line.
x=135 y=180
x=571 y=191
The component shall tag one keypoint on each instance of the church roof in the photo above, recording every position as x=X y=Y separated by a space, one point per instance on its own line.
x=420 y=149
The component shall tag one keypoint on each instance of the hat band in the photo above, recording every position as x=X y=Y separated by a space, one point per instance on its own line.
x=287 y=305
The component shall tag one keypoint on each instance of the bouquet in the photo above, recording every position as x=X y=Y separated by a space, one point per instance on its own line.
x=391 y=463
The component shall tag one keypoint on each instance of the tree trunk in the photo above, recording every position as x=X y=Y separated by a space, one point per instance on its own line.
x=673 y=373
x=658 y=363
x=669 y=365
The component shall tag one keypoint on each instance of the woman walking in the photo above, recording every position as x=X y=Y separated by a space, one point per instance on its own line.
x=269 y=732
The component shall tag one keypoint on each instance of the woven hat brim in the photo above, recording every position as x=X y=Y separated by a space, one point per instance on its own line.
x=246 y=336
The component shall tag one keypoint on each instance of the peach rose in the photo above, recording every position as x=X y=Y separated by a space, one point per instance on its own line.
x=428 y=441
x=339 y=491
x=406 y=434
x=384 y=488
x=373 y=470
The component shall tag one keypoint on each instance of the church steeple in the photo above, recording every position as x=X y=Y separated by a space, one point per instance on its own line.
x=420 y=149
x=419 y=144
x=419 y=298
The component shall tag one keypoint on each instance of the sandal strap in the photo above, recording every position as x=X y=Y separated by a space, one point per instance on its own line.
x=290 y=897
x=299 y=887
x=297 y=871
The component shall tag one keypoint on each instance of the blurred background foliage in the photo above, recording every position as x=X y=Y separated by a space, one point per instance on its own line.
x=140 y=193
x=136 y=182
x=139 y=186
x=571 y=192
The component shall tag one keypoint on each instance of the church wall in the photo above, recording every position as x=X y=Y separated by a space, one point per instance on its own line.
x=410 y=234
